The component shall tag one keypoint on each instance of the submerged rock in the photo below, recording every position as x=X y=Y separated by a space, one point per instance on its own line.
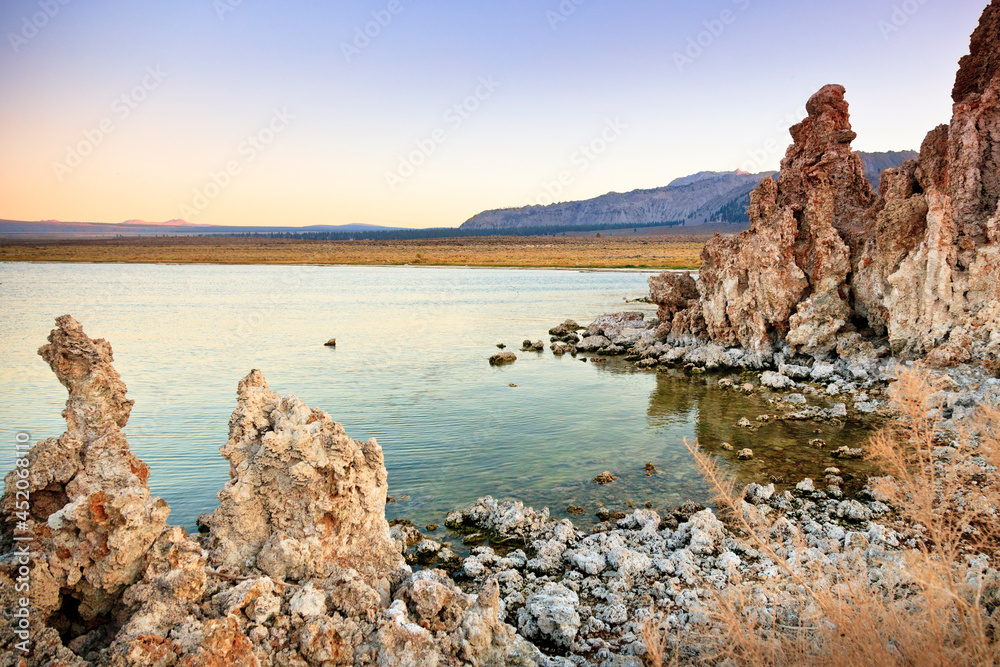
x=605 y=478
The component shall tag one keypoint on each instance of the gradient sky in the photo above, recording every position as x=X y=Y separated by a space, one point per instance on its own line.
x=200 y=77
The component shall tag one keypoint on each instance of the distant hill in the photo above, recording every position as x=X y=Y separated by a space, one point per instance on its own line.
x=168 y=223
x=694 y=200
x=56 y=229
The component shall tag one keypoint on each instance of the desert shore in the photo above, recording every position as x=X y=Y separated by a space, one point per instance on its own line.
x=653 y=252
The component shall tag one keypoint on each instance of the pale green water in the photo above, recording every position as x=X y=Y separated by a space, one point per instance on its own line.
x=410 y=369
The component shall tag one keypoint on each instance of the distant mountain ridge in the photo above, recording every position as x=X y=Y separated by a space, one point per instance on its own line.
x=693 y=200
x=56 y=229
x=168 y=223
x=699 y=199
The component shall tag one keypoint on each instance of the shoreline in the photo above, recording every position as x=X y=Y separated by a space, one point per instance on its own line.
x=638 y=253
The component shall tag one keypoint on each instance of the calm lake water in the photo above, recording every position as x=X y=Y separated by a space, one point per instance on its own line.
x=410 y=369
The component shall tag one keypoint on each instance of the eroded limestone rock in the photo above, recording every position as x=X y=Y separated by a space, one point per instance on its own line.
x=304 y=498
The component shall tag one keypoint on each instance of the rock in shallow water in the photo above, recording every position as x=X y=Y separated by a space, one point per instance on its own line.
x=304 y=498
x=776 y=380
x=605 y=478
x=503 y=359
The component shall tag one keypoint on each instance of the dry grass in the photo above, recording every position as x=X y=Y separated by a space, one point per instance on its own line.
x=672 y=251
x=656 y=638
x=936 y=607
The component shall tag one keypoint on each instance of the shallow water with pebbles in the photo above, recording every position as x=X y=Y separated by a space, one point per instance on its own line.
x=410 y=369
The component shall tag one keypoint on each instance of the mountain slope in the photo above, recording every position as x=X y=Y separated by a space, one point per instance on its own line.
x=876 y=163
x=693 y=200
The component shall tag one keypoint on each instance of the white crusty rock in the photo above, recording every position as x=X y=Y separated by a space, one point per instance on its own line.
x=509 y=519
x=434 y=623
x=702 y=532
x=551 y=614
x=776 y=380
x=305 y=499
x=805 y=486
x=593 y=343
x=586 y=560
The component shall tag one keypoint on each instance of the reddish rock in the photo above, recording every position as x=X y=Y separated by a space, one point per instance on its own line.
x=672 y=292
x=223 y=645
x=784 y=279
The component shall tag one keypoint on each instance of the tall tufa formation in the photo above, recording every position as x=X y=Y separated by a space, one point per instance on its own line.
x=784 y=278
x=304 y=498
x=92 y=516
x=825 y=255
x=927 y=276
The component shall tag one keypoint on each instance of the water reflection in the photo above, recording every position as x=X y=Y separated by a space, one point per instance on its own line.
x=782 y=450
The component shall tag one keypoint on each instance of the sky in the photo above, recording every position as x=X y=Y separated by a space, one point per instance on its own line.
x=422 y=113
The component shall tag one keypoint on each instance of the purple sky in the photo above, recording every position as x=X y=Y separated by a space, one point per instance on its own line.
x=267 y=113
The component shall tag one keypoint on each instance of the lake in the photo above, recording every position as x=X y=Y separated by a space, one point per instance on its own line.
x=410 y=369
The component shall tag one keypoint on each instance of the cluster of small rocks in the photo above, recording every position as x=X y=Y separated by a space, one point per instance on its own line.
x=855 y=372
x=583 y=597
